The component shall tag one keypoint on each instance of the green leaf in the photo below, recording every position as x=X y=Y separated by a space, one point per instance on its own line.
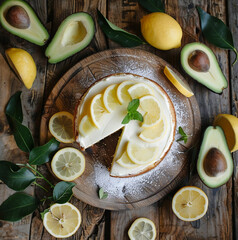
x=14 y=108
x=136 y=116
x=42 y=214
x=63 y=192
x=216 y=32
x=152 y=5
x=14 y=177
x=133 y=105
x=126 y=119
x=117 y=34
x=181 y=131
x=17 y=206
x=22 y=135
x=102 y=194
x=42 y=154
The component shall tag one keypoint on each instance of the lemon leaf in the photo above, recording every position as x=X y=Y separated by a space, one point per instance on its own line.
x=152 y=5
x=63 y=192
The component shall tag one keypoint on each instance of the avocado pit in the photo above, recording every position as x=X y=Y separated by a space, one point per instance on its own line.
x=199 y=61
x=214 y=162
x=17 y=17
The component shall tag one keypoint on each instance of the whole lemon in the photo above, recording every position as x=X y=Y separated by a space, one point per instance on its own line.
x=23 y=64
x=161 y=31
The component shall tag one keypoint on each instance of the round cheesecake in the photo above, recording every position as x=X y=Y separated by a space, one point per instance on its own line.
x=106 y=108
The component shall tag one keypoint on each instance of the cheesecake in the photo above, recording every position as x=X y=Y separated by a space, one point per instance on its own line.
x=144 y=140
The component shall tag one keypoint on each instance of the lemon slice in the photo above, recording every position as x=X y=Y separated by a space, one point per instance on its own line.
x=155 y=133
x=142 y=228
x=85 y=126
x=23 y=65
x=125 y=161
x=182 y=86
x=151 y=106
x=97 y=109
x=61 y=127
x=139 y=90
x=63 y=220
x=229 y=125
x=68 y=164
x=122 y=92
x=110 y=98
x=190 y=203
x=140 y=154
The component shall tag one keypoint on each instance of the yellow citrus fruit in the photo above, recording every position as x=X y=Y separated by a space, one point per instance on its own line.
x=139 y=90
x=190 y=203
x=122 y=92
x=62 y=220
x=151 y=106
x=68 y=164
x=61 y=127
x=97 y=109
x=110 y=100
x=142 y=228
x=23 y=65
x=229 y=125
x=85 y=125
x=182 y=86
x=141 y=154
x=126 y=162
x=161 y=31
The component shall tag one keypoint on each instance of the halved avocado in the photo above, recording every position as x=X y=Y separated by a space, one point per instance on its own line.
x=200 y=63
x=17 y=17
x=215 y=164
x=73 y=34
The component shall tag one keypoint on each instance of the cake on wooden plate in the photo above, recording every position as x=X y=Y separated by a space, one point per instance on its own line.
x=142 y=145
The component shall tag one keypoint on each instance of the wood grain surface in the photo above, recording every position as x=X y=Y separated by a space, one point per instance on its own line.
x=221 y=220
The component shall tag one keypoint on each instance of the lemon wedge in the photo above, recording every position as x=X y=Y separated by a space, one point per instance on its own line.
x=68 y=164
x=190 y=203
x=63 y=220
x=122 y=92
x=23 y=65
x=85 y=126
x=141 y=154
x=110 y=100
x=97 y=109
x=61 y=127
x=142 y=228
x=182 y=86
x=139 y=90
x=125 y=161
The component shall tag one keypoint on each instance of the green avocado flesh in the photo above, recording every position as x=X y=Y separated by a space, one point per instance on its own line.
x=215 y=164
x=74 y=34
x=212 y=78
x=35 y=32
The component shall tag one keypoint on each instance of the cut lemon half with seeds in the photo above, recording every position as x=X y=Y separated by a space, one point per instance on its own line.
x=125 y=161
x=68 y=164
x=190 y=203
x=122 y=92
x=139 y=90
x=142 y=228
x=182 y=86
x=110 y=98
x=141 y=154
x=97 y=109
x=155 y=133
x=85 y=126
x=151 y=106
x=63 y=220
x=61 y=127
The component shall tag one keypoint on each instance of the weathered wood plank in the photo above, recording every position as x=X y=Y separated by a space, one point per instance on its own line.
x=233 y=24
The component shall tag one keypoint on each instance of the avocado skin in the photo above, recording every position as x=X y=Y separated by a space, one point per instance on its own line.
x=214 y=79
x=214 y=138
x=36 y=33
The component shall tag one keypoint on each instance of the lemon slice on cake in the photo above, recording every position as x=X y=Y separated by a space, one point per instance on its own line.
x=122 y=92
x=68 y=164
x=110 y=98
x=125 y=161
x=86 y=126
x=139 y=90
x=63 y=220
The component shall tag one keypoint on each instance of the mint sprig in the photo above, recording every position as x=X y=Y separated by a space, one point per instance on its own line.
x=102 y=194
x=184 y=136
x=132 y=113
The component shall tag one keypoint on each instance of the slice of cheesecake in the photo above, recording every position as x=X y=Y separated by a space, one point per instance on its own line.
x=142 y=145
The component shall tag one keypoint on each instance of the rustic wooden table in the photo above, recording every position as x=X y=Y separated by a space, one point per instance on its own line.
x=221 y=220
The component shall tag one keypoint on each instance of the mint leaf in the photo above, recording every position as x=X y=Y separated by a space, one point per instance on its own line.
x=42 y=214
x=183 y=137
x=181 y=131
x=102 y=194
x=133 y=105
x=132 y=113
x=137 y=116
x=126 y=119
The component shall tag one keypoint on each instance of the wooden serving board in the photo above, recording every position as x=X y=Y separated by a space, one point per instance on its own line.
x=123 y=193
